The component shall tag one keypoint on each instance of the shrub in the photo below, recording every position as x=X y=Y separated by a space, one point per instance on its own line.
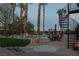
x=12 y=42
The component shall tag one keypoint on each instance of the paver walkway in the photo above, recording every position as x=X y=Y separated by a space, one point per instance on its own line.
x=54 y=48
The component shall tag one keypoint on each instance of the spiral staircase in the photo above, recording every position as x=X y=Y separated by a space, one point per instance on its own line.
x=70 y=24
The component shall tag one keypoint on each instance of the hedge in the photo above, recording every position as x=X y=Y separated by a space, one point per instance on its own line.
x=12 y=42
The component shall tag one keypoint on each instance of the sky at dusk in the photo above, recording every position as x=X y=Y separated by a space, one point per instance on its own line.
x=51 y=16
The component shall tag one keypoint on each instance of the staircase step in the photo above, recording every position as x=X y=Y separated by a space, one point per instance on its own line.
x=64 y=27
x=63 y=22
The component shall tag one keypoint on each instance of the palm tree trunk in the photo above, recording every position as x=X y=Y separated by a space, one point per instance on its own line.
x=43 y=18
x=13 y=18
x=25 y=17
x=13 y=14
x=38 y=23
x=21 y=18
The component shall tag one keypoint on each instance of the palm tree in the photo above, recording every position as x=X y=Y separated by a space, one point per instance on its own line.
x=44 y=17
x=60 y=14
x=25 y=17
x=21 y=10
x=13 y=5
x=38 y=22
x=39 y=10
x=21 y=5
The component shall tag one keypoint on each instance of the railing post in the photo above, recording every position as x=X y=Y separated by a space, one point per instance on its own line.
x=68 y=27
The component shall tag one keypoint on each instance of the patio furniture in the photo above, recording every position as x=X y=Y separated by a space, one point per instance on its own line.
x=54 y=37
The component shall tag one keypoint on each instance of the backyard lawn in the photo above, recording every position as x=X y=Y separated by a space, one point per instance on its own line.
x=13 y=42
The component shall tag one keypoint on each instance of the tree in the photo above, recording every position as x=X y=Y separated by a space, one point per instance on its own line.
x=5 y=15
x=21 y=5
x=13 y=5
x=30 y=27
x=17 y=26
x=4 y=11
x=21 y=11
x=44 y=16
x=25 y=17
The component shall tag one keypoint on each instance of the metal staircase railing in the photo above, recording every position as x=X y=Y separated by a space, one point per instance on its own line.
x=72 y=25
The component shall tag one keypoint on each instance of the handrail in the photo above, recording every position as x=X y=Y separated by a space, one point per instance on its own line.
x=74 y=20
